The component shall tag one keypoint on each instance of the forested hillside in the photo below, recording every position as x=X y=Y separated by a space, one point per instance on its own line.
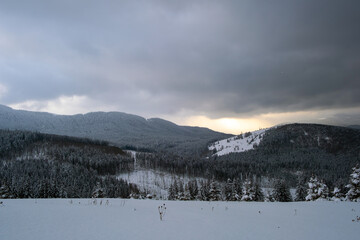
x=125 y=130
x=290 y=152
x=42 y=165
x=48 y=166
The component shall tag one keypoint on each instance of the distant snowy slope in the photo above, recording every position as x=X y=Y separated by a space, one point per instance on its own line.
x=240 y=143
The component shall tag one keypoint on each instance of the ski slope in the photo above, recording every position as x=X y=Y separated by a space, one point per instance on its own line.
x=240 y=143
x=61 y=219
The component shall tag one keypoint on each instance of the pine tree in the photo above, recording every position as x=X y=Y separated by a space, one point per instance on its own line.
x=323 y=191
x=172 y=193
x=193 y=189
x=337 y=195
x=317 y=190
x=237 y=194
x=228 y=190
x=258 y=193
x=187 y=192
x=214 y=192
x=282 y=192
x=300 y=191
x=269 y=197
x=247 y=191
x=5 y=192
x=204 y=190
x=312 y=192
x=98 y=192
x=354 y=185
x=181 y=192
x=176 y=189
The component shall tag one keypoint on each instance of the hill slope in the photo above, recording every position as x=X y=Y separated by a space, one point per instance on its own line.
x=290 y=151
x=49 y=166
x=332 y=139
x=119 y=128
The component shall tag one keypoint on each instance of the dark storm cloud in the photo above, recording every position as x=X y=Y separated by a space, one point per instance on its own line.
x=218 y=58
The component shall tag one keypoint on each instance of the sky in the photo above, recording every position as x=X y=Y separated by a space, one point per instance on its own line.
x=232 y=66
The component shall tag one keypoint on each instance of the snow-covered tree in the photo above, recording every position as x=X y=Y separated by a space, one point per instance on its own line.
x=337 y=195
x=172 y=193
x=232 y=189
x=181 y=192
x=204 y=190
x=258 y=193
x=354 y=185
x=237 y=189
x=186 y=193
x=281 y=192
x=317 y=190
x=269 y=197
x=98 y=192
x=313 y=186
x=4 y=192
x=214 y=192
x=228 y=190
x=247 y=191
x=323 y=191
x=193 y=189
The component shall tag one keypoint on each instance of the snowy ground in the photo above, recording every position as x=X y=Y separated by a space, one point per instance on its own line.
x=60 y=219
x=154 y=182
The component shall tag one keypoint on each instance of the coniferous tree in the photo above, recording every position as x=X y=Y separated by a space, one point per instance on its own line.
x=354 y=185
x=237 y=194
x=181 y=192
x=193 y=189
x=229 y=190
x=317 y=190
x=323 y=191
x=247 y=191
x=187 y=192
x=204 y=190
x=313 y=189
x=172 y=193
x=300 y=191
x=258 y=193
x=269 y=197
x=176 y=189
x=98 y=192
x=337 y=195
x=5 y=192
x=214 y=192
x=282 y=192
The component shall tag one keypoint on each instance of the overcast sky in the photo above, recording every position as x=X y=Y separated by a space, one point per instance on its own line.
x=228 y=65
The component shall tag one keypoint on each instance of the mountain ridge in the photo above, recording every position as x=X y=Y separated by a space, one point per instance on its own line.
x=119 y=128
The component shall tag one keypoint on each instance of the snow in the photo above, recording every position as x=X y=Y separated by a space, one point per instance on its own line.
x=236 y=144
x=60 y=219
x=155 y=182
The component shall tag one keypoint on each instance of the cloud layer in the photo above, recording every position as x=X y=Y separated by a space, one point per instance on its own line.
x=210 y=58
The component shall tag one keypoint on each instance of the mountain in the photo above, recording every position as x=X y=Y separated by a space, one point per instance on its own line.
x=354 y=126
x=288 y=152
x=331 y=139
x=124 y=130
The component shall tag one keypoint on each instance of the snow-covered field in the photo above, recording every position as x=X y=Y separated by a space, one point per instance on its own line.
x=238 y=143
x=154 y=182
x=61 y=219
